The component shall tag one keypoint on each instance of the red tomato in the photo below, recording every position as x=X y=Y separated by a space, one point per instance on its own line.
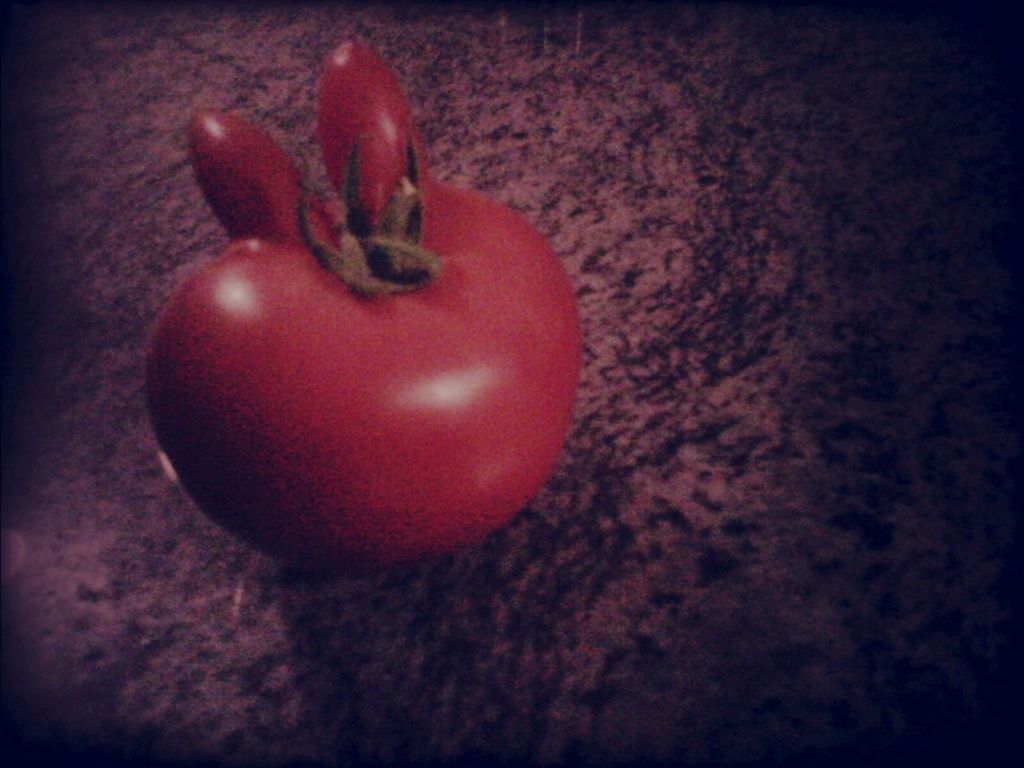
x=342 y=432
x=249 y=181
x=361 y=100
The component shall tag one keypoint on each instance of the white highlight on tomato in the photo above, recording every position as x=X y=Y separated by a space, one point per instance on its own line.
x=449 y=390
x=235 y=295
x=167 y=467
x=387 y=127
x=341 y=56
x=214 y=127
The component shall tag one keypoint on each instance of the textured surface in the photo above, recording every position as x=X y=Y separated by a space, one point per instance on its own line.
x=782 y=520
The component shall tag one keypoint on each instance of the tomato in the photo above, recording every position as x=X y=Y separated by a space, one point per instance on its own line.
x=251 y=184
x=360 y=100
x=372 y=398
x=338 y=432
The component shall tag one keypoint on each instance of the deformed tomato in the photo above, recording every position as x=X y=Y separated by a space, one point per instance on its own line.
x=392 y=396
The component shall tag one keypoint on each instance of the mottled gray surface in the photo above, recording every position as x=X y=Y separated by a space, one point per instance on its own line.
x=783 y=514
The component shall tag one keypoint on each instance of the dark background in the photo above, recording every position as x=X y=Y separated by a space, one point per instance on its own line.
x=783 y=527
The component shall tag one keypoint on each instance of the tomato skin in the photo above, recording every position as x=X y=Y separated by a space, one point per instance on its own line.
x=345 y=433
x=250 y=182
x=360 y=98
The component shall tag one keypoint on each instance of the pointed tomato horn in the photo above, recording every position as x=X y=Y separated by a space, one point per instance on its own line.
x=250 y=182
x=360 y=100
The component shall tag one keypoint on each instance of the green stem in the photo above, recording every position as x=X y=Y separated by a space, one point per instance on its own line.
x=378 y=264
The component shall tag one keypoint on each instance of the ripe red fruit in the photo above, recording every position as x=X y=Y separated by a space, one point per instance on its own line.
x=354 y=402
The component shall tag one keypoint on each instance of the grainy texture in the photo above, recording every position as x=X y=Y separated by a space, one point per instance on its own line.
x=783 y=517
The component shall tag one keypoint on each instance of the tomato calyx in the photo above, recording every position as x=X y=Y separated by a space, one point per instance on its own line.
x=385 y=259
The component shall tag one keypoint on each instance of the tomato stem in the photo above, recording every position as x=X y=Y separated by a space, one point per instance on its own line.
x=358 y=221
x=386 y=260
